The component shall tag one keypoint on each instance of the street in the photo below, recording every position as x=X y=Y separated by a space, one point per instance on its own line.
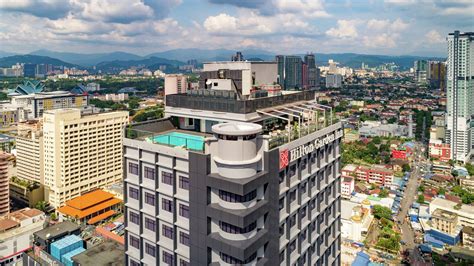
x=408 y=235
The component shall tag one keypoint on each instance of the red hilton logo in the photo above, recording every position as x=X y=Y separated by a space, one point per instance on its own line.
x=284 y=159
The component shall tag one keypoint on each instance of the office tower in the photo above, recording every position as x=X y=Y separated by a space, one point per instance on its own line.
x=304 y=75
x=237 y=57
x=293 y=73
x=460 y=92
x=332 y=66
x=421 y=71
x=221 y=181
x=175 y=83
x=437 y=75
x=29 y=148
x=81 y=153
x=333 y=81
x=5 y=175
x=313 y=74
x=29 y=70
x=280 y=59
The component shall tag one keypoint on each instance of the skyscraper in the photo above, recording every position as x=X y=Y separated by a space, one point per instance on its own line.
x=29 y=70
x=421 y=71
x=215 y=184
x=313 y=73
x=293 y=72
x=81 y=152
x=437 y=75
x=281 y=70
x=460 y=92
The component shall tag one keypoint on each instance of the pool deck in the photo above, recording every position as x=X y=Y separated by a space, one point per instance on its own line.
x=189 y=132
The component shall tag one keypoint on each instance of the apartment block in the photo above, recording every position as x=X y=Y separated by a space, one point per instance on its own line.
x=81 y=152
x=29 y=146
x=213 y=184
x=375 y=174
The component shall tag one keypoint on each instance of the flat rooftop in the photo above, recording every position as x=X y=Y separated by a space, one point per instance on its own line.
x=446 y=215
x=107 y=253
x=56 y=230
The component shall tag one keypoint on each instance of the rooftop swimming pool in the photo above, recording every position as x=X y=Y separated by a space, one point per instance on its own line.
x=175 y=139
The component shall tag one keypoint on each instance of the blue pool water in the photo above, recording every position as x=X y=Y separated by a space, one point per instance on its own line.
x=188 y=141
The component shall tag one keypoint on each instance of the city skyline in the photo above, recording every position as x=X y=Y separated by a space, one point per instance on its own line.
x=377 y=27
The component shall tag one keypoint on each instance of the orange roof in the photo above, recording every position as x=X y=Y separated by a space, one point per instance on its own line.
x=89 y=199
x=72 y=212
x=110 y=235
x=101 y=217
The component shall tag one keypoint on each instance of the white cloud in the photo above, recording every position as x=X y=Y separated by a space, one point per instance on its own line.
x=221 y=23
x=380 y=40
x=344 y=29
x=434 y=37
x=387 y=25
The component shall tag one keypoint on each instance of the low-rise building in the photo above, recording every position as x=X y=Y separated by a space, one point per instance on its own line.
x=16 y=229
x=25 y=192
x=375 y=174
x=91 y=208
x=464 y=212
x=347 y=187
x=466 y=181
x=376 y=128
x=43 y=238
x=444 y=221
x=468 y=237
x=439 y=150
x=356 y=220
x=107 y=253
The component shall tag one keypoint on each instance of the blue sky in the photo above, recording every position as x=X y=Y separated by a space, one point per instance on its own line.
x=394 y=27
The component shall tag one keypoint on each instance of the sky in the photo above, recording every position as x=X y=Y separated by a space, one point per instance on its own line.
x=392 y=27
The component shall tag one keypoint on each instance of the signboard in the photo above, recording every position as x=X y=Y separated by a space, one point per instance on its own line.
x=288 y=156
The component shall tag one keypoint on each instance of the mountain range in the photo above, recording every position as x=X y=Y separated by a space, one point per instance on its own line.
x=177 y=57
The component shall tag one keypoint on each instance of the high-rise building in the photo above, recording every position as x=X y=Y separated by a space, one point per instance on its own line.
x=313 y=73
x=304 y=75
x=29 y=70
x=293 y=72
x=237 y=57
x=214 y=182
x=421 y=71
x=437 y=75
x=460 y=92
x=280 y=59
x=176 y=83
x=81 y=153
x=5 y=175
x=29 y=148
x=333 y=81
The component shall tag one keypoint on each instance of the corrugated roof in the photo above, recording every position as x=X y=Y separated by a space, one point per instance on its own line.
x=76 y=213
x=101 y=217
x=89 y=199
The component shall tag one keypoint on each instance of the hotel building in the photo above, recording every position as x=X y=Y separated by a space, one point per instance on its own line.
x=81 y=152
x=231 y=179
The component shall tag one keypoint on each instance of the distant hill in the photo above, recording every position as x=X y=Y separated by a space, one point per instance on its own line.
x=87 y=60
x=32 y=59
x=211 y=55
x=3 y=54
x=151 y=63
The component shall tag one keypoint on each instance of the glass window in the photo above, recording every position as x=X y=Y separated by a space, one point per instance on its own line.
x=167 y=178
x=292 y=221
x=184 y=238
x=292 y=195
x=149 y=198
x=133 y=193
x=134 y=217
x=150 y=224
x=184 y=210
x=134 y=263
x=167 y=205
x=134 y=242
x=149 y=173
x=292 y=246
x=231 y=260
x=167 y=231
x=231 y=197
x=133 y=168
x=232 y=229
x=183 y=263
x=281 y=204
x=150 y=249
x=167 y=258
x=184 y=182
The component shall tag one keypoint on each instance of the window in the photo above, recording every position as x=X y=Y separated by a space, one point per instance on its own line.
x=303 y=164
x=167 y=231
x=292 y=195
x=184 y=182
x=149 y=173
x=303 y=236
x=292 y=246
x=184 y=238
x=150 y=249
x=133 y=168
x=167 y=205
x=303 y=212
x=134 y=242
x=167 y=258
x=133 y=193
x=150 y=224
x=183 y=263
x=184 y=210
x=292 y=171
x=134 y=263
x=167 y=178
x=134 y=217
x=312 y=204
x=232 y=229
x=231 y=197
x=281 y=177
x=292 y=221
x=282 y=256
x=303 y=188
x=231 y=260
x=150 y=198
x=282 y=230
x=281 y=204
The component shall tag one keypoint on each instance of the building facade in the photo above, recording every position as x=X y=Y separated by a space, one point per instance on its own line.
x=6 y=166
x=223 y=190
x=175 y=83
x=81 y=153
x=460 y=92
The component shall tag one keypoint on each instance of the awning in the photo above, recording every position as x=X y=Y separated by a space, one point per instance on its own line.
x=101 y=217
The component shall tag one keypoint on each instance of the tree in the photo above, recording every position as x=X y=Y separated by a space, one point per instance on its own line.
x=133 y=103
x=470 y=168
x=54 y=217
x=377 y=140
x=406 y=167
x=41 y=205
x=442 y=191
x=421 y=188
x=380 y=211
x=421 y=199
x=383 y=193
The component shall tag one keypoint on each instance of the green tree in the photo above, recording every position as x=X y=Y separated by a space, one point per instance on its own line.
x=421 y=188
x=54 y=217
x=470 y=168
x=41 y=205
x=380 y=211
x=406 y=167
x=442 y=191
x=383 y=193
x=421 y=199
x=133 y=103
x=377 y=140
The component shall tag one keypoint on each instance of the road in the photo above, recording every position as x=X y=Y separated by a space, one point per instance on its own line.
x=408 y=235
